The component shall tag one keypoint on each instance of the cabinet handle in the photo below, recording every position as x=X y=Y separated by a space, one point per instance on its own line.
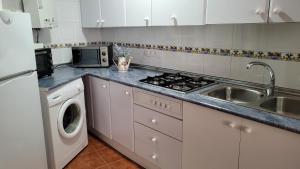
x=173 y=17
x=154 y=157
x=104 y=86
x=276 y=11
x=259 y=11
x=230 y=124
x=98 y=21
x=127 y=92
x=146 y=19
x=154 y=139
x=153 y=121
x=102 y=21
x=246 y=129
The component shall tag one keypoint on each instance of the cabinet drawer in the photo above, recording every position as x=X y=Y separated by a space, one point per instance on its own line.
x=157 y=148
x=163 y=123
x=163 y=104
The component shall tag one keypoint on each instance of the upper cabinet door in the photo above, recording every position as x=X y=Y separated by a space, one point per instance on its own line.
x=90 y=13
x=284 y=11
x=179 y=12
x=266 y=147
x=237 y=11
x=112 y=13
x=138 y=12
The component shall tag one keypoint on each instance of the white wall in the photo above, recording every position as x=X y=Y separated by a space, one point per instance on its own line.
x=266 y=37
x=68 y=29
x=14 y=5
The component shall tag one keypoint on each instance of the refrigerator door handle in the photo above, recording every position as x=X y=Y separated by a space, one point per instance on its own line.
x=10 y=79
x=6 y=18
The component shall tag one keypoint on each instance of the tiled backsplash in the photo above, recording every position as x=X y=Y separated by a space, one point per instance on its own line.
x=211 y=49
x=270 y=39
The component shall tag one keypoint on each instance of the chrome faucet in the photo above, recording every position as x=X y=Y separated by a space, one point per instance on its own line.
x=271 y=87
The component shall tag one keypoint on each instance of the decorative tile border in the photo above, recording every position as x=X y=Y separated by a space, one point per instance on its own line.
x=284 y=56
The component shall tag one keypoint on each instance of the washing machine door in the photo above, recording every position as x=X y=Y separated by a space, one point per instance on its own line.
x=70 y=119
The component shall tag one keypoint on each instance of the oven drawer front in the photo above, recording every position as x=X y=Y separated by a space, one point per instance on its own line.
x=163 y=123
x=165 y=151
x=163 y=104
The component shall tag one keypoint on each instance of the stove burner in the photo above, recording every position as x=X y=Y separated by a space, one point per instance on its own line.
x=177 y=82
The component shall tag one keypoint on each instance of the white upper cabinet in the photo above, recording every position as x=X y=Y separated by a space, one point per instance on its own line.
x=237 y=11
x=112 y=13
x=138 y=12
x=284 y=11
x=179 y=12
x=90 y=13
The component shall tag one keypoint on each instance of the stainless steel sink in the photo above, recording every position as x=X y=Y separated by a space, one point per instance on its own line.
x=236 y=94
x=283 y=105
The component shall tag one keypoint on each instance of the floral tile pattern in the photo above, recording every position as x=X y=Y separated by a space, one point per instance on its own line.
x=284 y=56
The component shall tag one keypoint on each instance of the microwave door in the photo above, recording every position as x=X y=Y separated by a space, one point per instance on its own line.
x=86 y=58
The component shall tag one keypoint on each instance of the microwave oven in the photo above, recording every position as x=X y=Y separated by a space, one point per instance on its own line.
x=100 y=56
x=44 y=63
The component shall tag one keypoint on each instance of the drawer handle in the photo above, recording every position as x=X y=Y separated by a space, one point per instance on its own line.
x=153 y=121
x=230 y=124
x=154 y=140
x=154 y=102
x=154 y=157
x=246 y=129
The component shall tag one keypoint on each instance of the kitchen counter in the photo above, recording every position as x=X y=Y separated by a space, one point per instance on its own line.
x=65 y=74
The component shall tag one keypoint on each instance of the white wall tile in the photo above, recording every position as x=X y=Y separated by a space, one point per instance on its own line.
x=283 y=37
x=217 y=65
x=287 y=74
x=239 y=71
x=250 y=37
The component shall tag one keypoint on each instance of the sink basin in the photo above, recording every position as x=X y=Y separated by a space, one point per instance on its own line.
x=283 y=105
x=236 y=94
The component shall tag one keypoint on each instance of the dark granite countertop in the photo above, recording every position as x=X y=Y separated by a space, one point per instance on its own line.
x=65 y=74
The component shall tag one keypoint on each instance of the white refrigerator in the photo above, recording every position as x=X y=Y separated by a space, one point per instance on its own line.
x=22 y=142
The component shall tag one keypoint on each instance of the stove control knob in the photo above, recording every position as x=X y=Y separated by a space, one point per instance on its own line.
x=104 y=60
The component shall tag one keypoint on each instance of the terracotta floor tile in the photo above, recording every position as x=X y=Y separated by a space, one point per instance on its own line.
x=105 y=167
x=98 y=155
x=124 y=164
x=110 y=155
x=87 y=161
x=87 y=149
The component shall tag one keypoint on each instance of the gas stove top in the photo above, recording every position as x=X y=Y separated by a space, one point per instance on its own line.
x=178 y=82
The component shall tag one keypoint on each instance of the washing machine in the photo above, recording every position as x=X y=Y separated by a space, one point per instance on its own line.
x=64 y=118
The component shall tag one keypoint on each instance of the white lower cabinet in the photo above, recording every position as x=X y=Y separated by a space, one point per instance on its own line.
x=157 y=148
x=101 y=106
x=266 y=147
x=210 y=139
x=121 y=107
x=214 y=139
